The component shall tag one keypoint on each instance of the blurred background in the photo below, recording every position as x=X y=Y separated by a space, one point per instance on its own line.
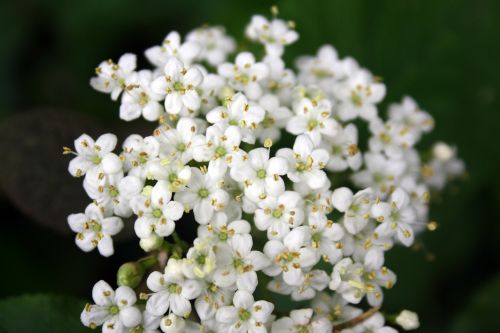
x=445 y=54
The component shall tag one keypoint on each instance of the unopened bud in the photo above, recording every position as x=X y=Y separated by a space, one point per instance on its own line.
x=130 y=274
x=442 y=151
x=151 y=243
x=408 y=320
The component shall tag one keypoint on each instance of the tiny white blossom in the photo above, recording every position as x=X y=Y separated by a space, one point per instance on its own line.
x=138 y=98
x=215 y=44
x=301 y=321
x=274 y=34
x=111 y=77
x=114 y=310
x=204 y=195
x=94 y=228
x=92 y=154
x=244 y=75
x=245 y=315
x=178 y=86
x=171 y=290
x=305 y=163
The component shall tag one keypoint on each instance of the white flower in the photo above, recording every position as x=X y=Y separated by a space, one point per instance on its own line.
x=221 y=148
x=280 y=81
x=409 y=114
x=343 y=148
x=172 y=47
x=212 y=298
x=111 y=77
x=261 y=174
x=279 y=214
x=314 y=281
x=178 y=85
x=149 y=324
x=137 y=152
x=215 y=43
x=156 y=213
x=408 y=320
x=200 y=258
x=315 y=200
x=179 y=142
x=300 y=321
x=325 y=237
x=380 y=173
x=305 y=163
x=353 y=281
x=358 y=96
x=274 y=35
x=275 y=118
x=92 y=154
x=356 y=208
x=290 y=257
x=238 y=264
x=335 y=308
x=395 y=217
x=138 y=99
x=325 y=69
x=204 y=195
x=245 y=315
x=222 y=231
x=313 y=118
x=174 y=175
x=114 y=310
x=244 y=75
x=94 y=229
x=171 y=290
x=238 y=112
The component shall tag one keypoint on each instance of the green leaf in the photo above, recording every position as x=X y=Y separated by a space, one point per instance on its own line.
x=481 y=312
x=41 y=313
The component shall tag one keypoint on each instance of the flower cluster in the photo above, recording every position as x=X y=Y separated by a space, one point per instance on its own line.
x=259 y=155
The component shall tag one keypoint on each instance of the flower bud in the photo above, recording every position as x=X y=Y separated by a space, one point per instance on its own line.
x=130 y=274
x=408 y=320
x=442 y=151
x=151 y=243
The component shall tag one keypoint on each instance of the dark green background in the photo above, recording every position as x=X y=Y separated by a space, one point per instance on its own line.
x=443 y=53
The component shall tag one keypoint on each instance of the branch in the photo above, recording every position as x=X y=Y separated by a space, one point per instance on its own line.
x=356 y=320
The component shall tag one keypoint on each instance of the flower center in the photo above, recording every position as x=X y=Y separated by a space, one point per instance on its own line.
x=178 y=86
x=181 y=147
x=172 y=177
x=96 y=159
x=244 y=314
x=303 y=329
x=203 y=193
x=157 y=213
x=238 y=262
x=174 y=288
x=113 y=191
x=137 y=329
x=201 y=259
x=277 y=213
x=356 y=99
x=96 y=227
x=143 y=99
x=233 y=122
x=113 y=309
x=220 y=151
x=268 y=121
x=312 y=124
x=223 y=236
x=261 y=174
